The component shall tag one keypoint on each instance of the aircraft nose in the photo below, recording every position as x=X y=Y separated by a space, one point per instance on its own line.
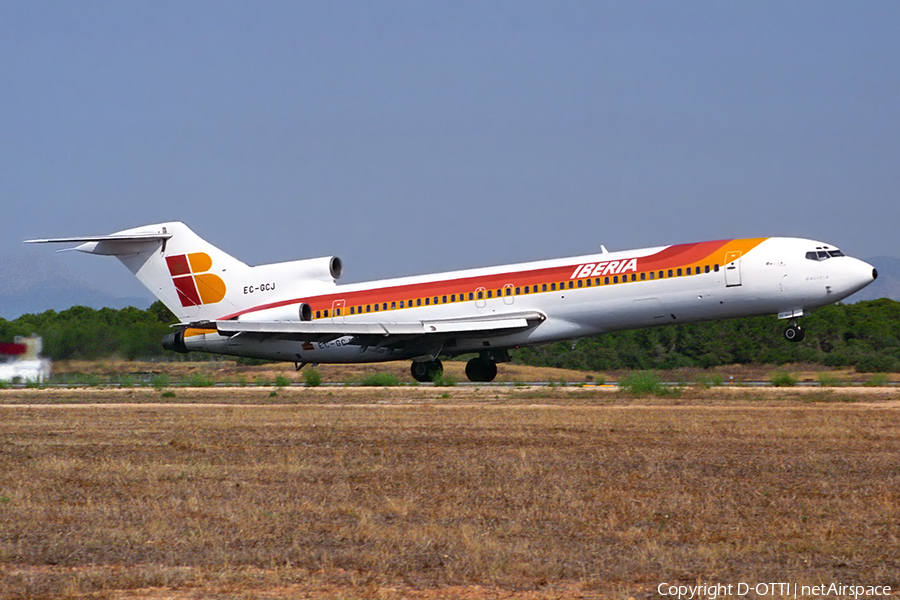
x=863 y=274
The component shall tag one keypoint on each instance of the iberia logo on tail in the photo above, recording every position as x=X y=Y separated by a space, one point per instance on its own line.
x=195 y=286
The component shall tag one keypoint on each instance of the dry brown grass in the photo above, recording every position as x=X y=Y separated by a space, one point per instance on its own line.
x=402 y=493
x=229 y=371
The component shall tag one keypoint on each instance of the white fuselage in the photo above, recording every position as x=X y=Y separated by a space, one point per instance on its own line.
x=576 y=297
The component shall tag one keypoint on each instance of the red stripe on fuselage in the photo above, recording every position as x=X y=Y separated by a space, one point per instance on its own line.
x=669 y=257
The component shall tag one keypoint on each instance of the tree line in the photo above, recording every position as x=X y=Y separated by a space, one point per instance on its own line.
x=865 y=335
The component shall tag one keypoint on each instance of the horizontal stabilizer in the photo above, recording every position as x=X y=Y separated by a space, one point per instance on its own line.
x=108 y=245
x=136 y=237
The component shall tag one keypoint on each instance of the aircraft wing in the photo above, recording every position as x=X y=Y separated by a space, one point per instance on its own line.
x=324 y=331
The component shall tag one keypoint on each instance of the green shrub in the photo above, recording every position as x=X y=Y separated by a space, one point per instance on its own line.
x=783 y=379
x=643 y=383
x=444 y=380
x=126 y=381
x=160 y=381
x=380 y=380
x=712 y=380
x=282 y=381
x=877 y=380
x=876 y=363
x=828 y=380
x=312 y=378
x=199 y=380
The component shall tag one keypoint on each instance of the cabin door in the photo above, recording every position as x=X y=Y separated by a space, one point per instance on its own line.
x=733 y=268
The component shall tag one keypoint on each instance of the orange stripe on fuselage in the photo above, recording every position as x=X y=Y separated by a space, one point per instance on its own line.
x=681 y=256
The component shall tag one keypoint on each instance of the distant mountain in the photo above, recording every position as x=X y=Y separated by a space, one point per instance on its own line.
x=886 y=286
x=33 y=283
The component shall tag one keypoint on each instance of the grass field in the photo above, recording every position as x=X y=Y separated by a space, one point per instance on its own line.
x=433 y=492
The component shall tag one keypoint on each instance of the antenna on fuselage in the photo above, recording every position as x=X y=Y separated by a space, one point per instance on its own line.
x=603 y=249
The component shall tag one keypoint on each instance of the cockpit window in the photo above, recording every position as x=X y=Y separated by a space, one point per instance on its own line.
x=823 y=254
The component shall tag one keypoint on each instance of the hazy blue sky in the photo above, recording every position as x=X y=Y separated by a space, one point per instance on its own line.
x=410 y=137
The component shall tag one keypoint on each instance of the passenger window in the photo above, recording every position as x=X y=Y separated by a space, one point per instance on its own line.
x=679 y=272
x=384 y=306
x=616 y=279
x=368 y=308
x=444 y=299
x=352 y=311
x=543 y=287
x=606 y=281
x=581 y=283
x=452 y=297
x=552 y=287
x=634 y=276
x=401 y=304
x=716 y=268
x=326 y=314
x=643 y=276
x=480 y=294
x=393 y=305
x=661 y=275
x=652 y=274
x=706 y=269
x=318 y=314
x=470 y=295
x=670 y=272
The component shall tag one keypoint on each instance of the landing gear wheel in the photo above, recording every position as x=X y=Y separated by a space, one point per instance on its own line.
x=481 y=369
x=794 y=333
x=426 y=371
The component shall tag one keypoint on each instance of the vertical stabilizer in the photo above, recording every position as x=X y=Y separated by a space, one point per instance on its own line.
x=188 y=274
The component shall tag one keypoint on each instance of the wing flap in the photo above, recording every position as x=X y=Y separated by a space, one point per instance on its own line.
x=479 y=324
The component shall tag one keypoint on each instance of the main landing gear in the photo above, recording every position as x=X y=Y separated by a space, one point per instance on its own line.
x=483 y=368
x=794 y=333
x=426 y=371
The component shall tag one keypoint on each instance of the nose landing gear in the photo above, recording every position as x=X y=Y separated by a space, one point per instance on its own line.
x=794 y=333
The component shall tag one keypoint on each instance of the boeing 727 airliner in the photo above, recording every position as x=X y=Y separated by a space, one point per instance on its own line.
x=295 y=311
